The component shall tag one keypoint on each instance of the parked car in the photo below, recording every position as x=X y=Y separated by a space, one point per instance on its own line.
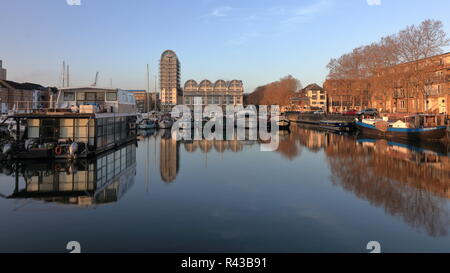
x=368 y=112
x=350 y=113
x=319 y=112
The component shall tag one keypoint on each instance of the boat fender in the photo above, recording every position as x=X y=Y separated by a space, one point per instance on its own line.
x=73 y=149
x=7 y=149
x=58 y=150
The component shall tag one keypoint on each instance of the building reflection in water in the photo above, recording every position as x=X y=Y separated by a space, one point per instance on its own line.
x=85 y=182
x=409 y=181
x=169 y=156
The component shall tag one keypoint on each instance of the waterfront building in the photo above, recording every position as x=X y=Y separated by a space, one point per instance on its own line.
x=145 y=101
x=2 y=71
x=169 y=80
x=14 y=95
x=142 y=100
x=221 y=93
x=310 y=98
x=419 y=86
x=316 y=95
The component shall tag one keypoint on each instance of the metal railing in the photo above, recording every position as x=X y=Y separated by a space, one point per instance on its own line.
x=32 y=106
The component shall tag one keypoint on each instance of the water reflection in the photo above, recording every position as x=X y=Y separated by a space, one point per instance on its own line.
x=85 y=182
x=410 y=181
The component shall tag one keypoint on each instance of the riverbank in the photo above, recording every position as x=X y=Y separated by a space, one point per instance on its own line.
x=316 y=119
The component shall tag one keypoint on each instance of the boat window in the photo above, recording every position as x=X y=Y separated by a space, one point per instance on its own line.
x=90 y=96
x=111 y=96
x=33 y=128
x=80 y=96
x=69 y=96
x=101 y=96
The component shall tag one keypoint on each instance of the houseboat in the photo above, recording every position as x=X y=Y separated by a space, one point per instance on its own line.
x=81 y=122
x=413 y=127
x=99 y=180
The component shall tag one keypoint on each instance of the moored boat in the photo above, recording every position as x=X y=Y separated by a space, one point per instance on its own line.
x=81 y=122
x=146 y=124
x=415 y=127
x=165 y=123
x=335 y=125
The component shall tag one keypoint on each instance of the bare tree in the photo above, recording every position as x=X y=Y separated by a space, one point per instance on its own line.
x=375 y=63
x=423 y=41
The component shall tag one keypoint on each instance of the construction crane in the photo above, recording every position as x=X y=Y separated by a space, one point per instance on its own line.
x=96 y=79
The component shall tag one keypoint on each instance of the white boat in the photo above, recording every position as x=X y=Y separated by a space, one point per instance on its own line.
x=11 y=128
x=147 y=124
x=84 y=121
x=165 y=123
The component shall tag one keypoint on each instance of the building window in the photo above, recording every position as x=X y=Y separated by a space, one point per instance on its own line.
x=402 y=104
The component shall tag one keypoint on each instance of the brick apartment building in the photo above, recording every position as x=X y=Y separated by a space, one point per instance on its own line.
x=419 y=86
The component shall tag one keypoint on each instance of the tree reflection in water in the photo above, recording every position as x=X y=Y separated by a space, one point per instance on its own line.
x=409 y=182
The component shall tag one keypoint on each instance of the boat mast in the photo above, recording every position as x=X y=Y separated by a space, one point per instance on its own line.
x=63 y=74
x=148 y=88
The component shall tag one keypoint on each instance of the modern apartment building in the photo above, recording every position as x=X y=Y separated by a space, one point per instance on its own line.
x=220 y=93
x=169 y=80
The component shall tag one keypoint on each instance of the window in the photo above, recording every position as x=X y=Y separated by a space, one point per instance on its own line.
x=69 y=96
x=80 y=95
x=101 y=96
x=90 y=96
x=403 y=104
x=111 y=96
x=33 y=128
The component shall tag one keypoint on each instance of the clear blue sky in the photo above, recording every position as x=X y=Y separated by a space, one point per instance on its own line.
x=257 y=41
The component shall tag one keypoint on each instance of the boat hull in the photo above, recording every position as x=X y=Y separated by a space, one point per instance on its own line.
x=432 y=133
x=339 y=126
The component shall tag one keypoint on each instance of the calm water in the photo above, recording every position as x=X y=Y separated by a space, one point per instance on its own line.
x=318 y=192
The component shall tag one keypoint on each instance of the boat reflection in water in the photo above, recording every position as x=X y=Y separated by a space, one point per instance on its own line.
x=410 y=181
x=86 y=182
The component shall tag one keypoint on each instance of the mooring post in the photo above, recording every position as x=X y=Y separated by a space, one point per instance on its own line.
x=17 y=130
